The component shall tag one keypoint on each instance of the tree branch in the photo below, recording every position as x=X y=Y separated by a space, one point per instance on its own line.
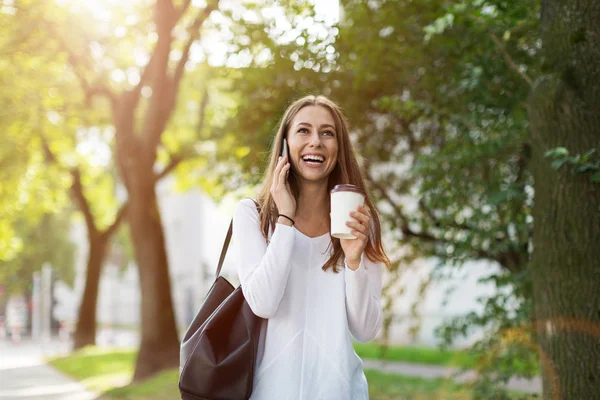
x=163 y=11
x=90 y=90
x=156 y=71
x=510 y=61
x=48 y=154
x=134 y=94
x=203 y=106
x=523 y=161
x=453 y=224
x=183 y=8
x=403 y=220
x=76 y=187
x=162 y=102
x=80 y=199
x=460 y=119
x=165 y=89
x=175 y=160
x=506 y=259
x=117 y=222
x=194 y=32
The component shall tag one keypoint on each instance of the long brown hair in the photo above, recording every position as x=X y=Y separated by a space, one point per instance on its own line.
x=346 y=171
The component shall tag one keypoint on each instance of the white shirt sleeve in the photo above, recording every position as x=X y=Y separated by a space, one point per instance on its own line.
x=363 y=299
x=263 y=270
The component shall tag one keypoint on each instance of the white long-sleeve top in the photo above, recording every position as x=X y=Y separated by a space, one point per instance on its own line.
x=305 y=350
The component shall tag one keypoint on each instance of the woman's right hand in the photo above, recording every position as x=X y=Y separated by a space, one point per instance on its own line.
x=280 y=189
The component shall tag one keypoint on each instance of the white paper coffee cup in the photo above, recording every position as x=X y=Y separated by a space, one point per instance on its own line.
x=344 y=199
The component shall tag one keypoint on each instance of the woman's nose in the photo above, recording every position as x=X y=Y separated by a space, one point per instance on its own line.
x=315 y=140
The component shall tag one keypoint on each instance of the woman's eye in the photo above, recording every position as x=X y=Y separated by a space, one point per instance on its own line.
x=328 y=133
x=302 y=130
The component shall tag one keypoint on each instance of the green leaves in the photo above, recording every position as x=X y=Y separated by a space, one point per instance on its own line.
x=557 y=152
x=438 y=26
x=43 y=241
x=580 y=163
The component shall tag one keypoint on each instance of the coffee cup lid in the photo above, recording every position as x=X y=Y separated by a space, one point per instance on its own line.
x=347 y=188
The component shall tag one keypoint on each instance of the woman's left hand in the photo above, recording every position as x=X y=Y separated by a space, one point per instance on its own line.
x=353 y=248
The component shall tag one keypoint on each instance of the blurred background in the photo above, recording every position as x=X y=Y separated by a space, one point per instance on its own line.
x=130 y=129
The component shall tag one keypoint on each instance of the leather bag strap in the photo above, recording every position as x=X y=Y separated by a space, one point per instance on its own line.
x=226 y=244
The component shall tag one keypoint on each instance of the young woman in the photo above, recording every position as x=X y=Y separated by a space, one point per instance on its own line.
x=315 y=292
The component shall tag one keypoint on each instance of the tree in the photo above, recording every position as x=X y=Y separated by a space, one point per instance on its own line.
x=449 y=89
x=563 y=110
x=44 y=119
x=136 y=153
x=145 y=144
x=436 y=100
x=98 y=239
x=140 y=113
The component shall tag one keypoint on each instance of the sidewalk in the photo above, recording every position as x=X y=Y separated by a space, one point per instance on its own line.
x=24 y=375
x=434 y=371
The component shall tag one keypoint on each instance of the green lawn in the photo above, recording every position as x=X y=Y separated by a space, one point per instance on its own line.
x=109 y=373
x=420 y=355
x=98 y=369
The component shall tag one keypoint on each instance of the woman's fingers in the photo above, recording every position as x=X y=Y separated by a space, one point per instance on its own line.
x=277 y=172
x=282 y=178
x=361 y=215
x=279 y=165
x=357 y=226
x=358 y=234
x=284 y=200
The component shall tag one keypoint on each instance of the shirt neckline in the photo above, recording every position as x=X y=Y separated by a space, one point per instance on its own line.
x=309 y=237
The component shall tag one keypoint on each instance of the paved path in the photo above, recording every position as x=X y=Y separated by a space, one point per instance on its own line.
x=24 y=375
x=433 y=371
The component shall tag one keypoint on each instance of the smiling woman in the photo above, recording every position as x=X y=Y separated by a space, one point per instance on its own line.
x=315 y=290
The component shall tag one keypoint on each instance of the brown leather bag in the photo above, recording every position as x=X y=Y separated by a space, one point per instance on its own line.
x=218 y=351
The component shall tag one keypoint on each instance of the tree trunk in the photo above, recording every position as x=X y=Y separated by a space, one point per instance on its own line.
x=159 y=348
x=85 y=330
x=564 y=112
x=136 y=154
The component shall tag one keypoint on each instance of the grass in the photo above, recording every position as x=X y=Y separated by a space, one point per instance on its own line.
x=98 y=369
x=384 y=386
x=162 y=386
x=419 y=355
x=109 y=372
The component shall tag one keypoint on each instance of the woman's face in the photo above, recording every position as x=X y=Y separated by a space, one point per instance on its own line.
x=312 y=133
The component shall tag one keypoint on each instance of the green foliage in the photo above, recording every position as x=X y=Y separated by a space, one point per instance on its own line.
x=580 y=163
x=418 y=355
x=436 y=104
x=43 y=104
x=28 y=190
x=44 y=241
x=246 y=104
x=437 y=110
